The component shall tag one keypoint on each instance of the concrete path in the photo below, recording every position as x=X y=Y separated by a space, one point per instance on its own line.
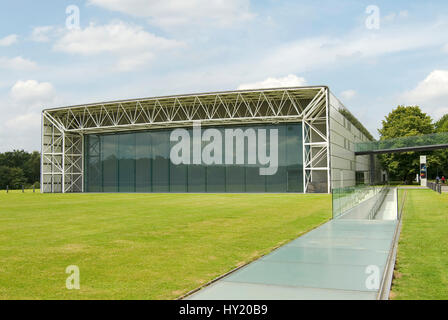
x=412 y=187
x=333 y=261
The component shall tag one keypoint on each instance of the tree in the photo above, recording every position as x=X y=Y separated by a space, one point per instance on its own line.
x=19 y=168
x=5 y=178
x=31 y=168
x=404 y=121
x=18 y=178
x=442 y=155
x=442 y=124
x=14 y=159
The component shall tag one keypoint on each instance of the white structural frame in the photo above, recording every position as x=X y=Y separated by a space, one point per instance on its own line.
x=63 y=129
x=62 y=158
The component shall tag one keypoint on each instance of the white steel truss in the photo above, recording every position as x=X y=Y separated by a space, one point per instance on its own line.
x=316 y=157
x=62 y=159
x=63 y=128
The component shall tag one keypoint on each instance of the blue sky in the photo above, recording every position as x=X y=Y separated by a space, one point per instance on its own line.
x=140 y=48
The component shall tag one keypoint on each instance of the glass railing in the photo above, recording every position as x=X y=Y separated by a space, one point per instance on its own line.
x=378 y=202
x=404 y=142
x=401 y=198
x=345 y=199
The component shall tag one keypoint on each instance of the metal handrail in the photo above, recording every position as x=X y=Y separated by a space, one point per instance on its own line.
x=437 y=187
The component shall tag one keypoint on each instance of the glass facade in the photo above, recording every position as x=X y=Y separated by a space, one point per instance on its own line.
x=140 y=162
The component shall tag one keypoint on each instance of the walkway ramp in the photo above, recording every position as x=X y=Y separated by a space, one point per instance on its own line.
x=389 y=209
x=334 y=261
x=381 y=206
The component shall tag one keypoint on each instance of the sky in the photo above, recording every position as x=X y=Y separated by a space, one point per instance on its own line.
x=374 y=55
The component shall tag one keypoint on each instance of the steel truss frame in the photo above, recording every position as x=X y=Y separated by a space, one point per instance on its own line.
x=63 y=129
x=62 y=158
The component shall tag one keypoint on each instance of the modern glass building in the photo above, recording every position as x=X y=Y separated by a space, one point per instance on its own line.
x=297 y=139
x=140 y=162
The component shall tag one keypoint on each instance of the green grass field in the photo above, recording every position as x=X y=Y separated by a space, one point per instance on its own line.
x=140 y=246
x=422 y=263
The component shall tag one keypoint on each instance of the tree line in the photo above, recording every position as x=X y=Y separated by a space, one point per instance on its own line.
x=406 y=121
x=19 y=168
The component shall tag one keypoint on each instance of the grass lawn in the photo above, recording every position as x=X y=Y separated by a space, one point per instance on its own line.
x=141 y=246
x=422 y=264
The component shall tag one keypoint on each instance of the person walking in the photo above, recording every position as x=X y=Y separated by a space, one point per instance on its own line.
x=443 y=179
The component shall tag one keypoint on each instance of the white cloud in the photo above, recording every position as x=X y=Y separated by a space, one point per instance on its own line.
x=431 y=94
x=319 y=52
x=26 y=122
x=32 y=93
x=445 y=48
x=395 y=16
x=403 y=14
x=8 y=40
x=20 y=121
x=348 y=94
x=42 y=34
x=173 y=13
x=17 y=63
x=114 y=37
x=20 y=131
x=131 y=44
x=288 y=81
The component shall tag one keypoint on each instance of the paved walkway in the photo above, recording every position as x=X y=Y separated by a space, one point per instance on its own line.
x=330 y=262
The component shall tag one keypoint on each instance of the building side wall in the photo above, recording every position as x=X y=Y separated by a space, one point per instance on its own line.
x=343 y=137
